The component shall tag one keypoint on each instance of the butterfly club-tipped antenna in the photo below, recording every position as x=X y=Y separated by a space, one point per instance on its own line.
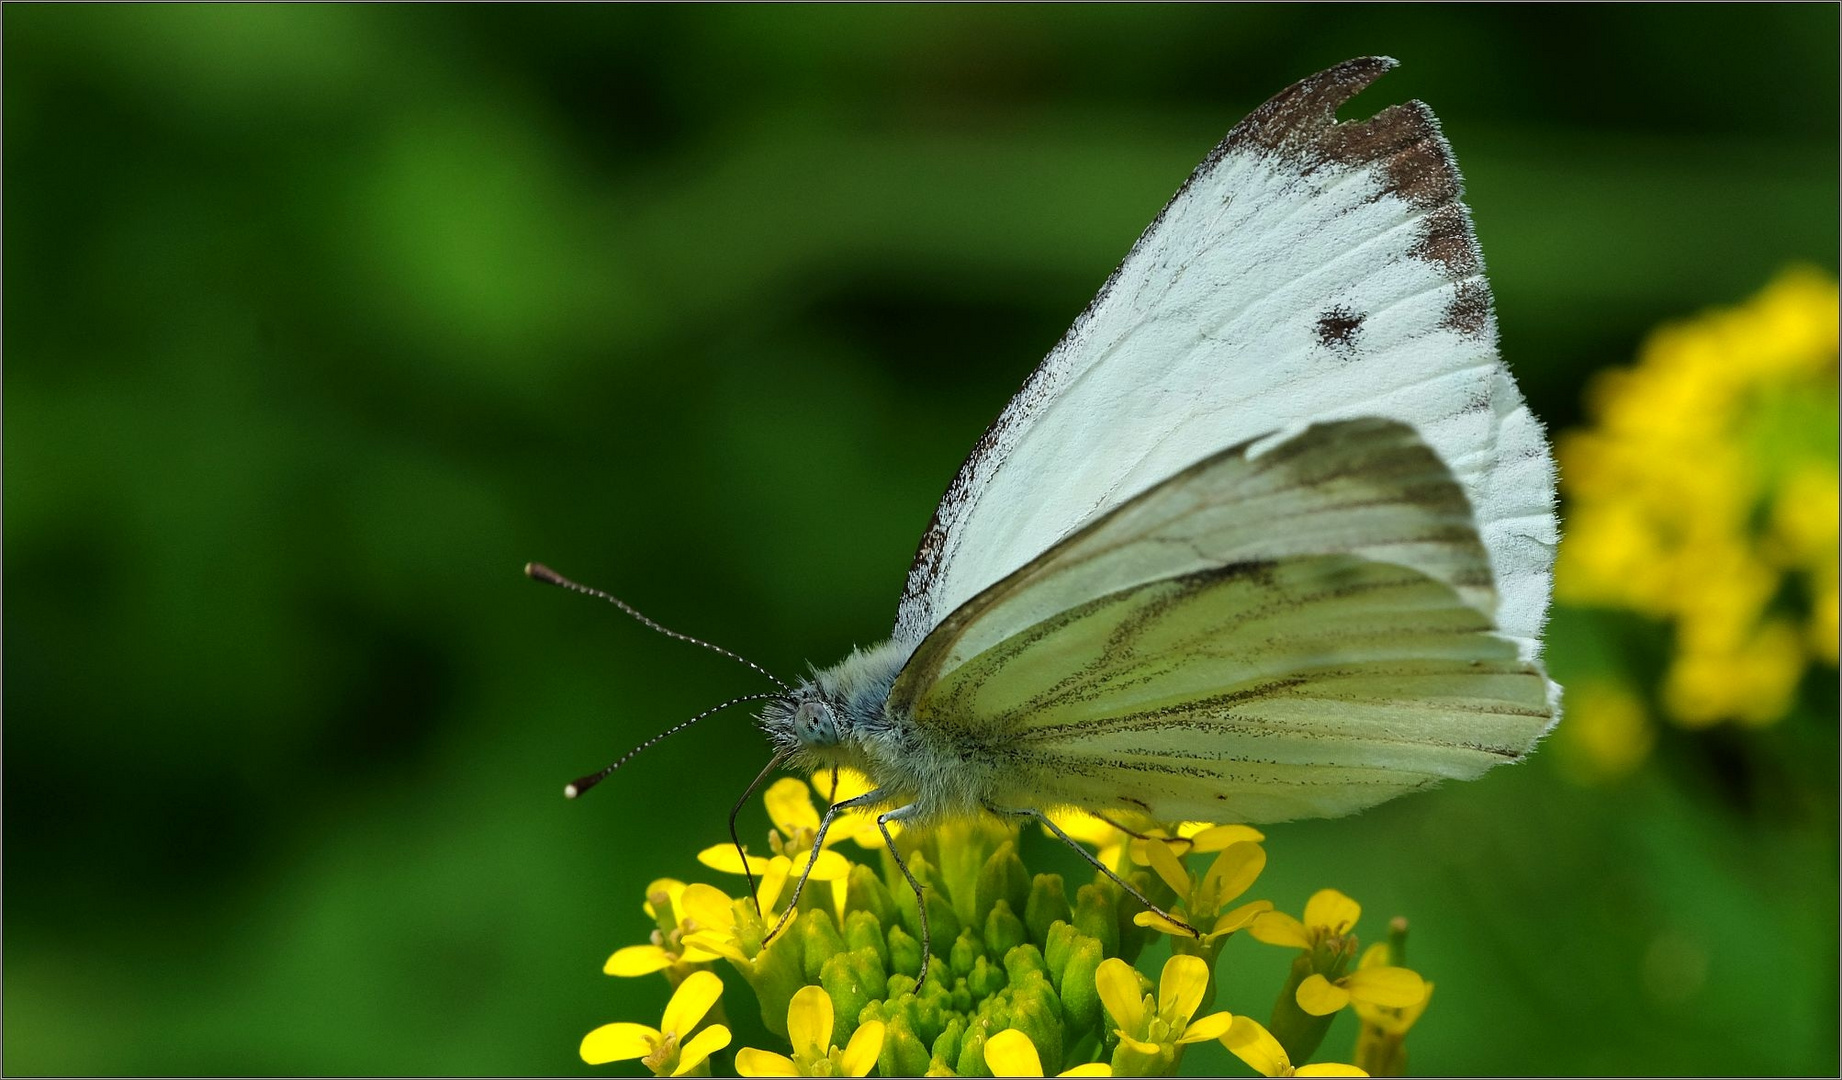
x=539 y=572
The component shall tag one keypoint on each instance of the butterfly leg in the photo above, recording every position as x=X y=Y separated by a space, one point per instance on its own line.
x=1139 y=835
x=1131 y=891
x=741 y=851
x=927 y=938
x=861 y=802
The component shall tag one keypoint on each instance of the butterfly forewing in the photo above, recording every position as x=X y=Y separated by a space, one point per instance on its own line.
x=1307 y=270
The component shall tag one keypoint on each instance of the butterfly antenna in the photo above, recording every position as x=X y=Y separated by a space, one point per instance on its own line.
x=540 y=572
x=578 y=786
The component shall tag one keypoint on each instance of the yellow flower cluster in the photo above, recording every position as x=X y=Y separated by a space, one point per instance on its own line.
x=1026 y=977
x=1704 y=494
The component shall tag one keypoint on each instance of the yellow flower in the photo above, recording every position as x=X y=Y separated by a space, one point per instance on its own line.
x=1151 y=1031
x=1108 y=839
x=1705 y=494
x=1011 y=1053
x=809 y=1025
x=796 y=822
x=716 y=926
x=1380 y=1043
x=665 y=1049
x=1253 y=1044
x=1325 y=933
x=1608 y=732
x=668 y=948
x=1201 y=899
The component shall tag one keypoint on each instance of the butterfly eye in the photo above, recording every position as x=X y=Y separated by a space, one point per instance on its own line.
x=813 y=724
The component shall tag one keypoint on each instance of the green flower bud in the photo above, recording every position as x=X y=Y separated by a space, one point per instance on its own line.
x=1080 y=997
x=971 y=1060
x=1058 y=943
x=776 y=974
x=851 y=979
x=1047 y=903
x=866 y=892
x=1002 y=879
x=985 y=979
x=819 y=941
x=1096 y=914
x=946 y=1048
x=1036 y=1012
x=862 y=930
x=1024 y=962
x=903 y=1053
x=966 y=950
x=904 y=955
x=1003 y=930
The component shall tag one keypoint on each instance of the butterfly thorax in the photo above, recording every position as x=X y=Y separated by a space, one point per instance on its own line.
x=841 y=717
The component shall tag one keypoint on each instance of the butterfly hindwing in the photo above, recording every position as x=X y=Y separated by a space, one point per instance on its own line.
x=1302 y=631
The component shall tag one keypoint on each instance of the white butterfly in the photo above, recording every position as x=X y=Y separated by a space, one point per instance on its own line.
x=1268 y=534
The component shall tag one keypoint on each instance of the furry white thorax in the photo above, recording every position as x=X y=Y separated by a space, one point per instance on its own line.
x=911 y=765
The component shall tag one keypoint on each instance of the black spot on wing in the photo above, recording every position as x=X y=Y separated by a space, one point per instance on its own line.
x=1338 y=330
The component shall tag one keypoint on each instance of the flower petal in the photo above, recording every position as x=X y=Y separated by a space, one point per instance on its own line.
x=1333 y=910
x=1240 y=918
x=708 y=907
x=702 y=1045
x=772 y=881
x=1159 y=923
x=1329 y=1068
x=725 y=858
x=1011 y=1053
x=860 y=1056
x=1165 y=862
x=716 y=944
x=1255 y=1045
x=830 y=866
x=809 y=1020
x=1119 y=990
x=1376 y=955
x=1180 y=988
x=1394 y=987
x=1096 y=1068
x=690 y=1002
x=670 y=889
x=1084 y=827
x=1150 y=1049
x=638 y=960
x=789 y=807
x=1274 y=928
x=1234 y=871
x=1217 y=837
x=1321 y=997
x=617 y=1042
x=753 y=1062
x=1212 y=1026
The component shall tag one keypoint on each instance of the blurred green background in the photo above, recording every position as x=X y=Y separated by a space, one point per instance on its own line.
x=321 y=321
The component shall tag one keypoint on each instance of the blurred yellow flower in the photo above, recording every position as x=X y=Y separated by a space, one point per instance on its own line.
x=1381 y=1047
x=1011 y=1053
x=1253 y=1044
x=1613 y=733
x=1704 y=494
x=665 y=1049
x=809 y=1027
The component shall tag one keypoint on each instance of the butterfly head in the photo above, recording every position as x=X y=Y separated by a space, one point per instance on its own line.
x=803 y=722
